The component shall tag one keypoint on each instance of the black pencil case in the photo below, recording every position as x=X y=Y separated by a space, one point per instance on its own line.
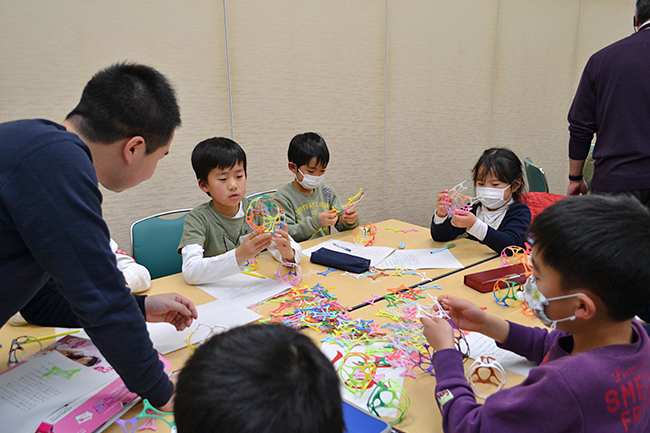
x=345 y=262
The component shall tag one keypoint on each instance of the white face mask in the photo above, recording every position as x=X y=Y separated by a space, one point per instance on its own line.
x=537 y=302
x=309 y=181
x=492 y=198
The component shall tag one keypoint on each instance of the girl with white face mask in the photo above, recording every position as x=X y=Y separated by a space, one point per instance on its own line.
x=497 y=218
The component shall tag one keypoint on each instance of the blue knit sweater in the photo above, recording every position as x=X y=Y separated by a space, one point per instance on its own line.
x=52 y=235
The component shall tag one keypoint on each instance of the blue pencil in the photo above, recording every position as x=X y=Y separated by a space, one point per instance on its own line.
x=443 y=248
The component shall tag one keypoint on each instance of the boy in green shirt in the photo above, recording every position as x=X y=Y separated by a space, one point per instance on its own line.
x=307 y=202
x=216 y=239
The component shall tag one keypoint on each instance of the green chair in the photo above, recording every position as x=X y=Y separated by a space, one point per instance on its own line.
x=536 y=176
x=155 y=241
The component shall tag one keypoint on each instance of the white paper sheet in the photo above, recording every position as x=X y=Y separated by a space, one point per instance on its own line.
x=244 y=290
x=420 y=259
x=374 y=254
x=479 y=345
x=27 y=396
x=166 y=338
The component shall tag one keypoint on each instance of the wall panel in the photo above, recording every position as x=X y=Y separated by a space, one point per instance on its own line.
x=533 y=81
x=311 y=66
x=49 y=50
x=321 y=66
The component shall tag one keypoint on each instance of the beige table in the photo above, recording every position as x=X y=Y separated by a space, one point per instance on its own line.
x=423 y=415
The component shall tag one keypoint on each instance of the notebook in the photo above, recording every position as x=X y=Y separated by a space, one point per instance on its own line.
x=358 y=421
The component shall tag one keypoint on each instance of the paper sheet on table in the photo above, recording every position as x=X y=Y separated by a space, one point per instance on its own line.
x=244 y=290
x=166 y=338
x=479 y=345
x=27 y=396
x=332 y=350
x=374 y=254
x=420 y=259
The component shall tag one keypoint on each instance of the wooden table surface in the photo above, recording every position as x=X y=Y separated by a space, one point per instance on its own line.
x=423 y=414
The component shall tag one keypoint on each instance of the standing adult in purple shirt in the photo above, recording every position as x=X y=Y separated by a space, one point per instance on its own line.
x=613 y=102
x=56 y=266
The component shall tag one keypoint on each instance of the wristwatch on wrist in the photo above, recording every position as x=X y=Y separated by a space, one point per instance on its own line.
x=576 y=178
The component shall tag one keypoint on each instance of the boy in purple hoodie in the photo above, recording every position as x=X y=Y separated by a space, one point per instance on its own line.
x=591 y=276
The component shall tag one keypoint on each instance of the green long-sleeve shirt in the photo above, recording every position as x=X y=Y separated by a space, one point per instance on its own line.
x=301 y=211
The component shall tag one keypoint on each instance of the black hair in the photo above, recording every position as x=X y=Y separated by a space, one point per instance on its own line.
x=258 y=378
x=216 y=152
x=602 y=244
x=504 y=165
x=126 y=100
x=642 y=11
x=304 y=147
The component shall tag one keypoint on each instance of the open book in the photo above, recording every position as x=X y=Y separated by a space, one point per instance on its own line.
x=67 y=387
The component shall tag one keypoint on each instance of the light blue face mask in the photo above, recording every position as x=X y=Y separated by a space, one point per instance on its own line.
x=537 y=302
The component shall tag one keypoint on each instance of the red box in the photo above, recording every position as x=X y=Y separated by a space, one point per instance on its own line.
x=484 y=281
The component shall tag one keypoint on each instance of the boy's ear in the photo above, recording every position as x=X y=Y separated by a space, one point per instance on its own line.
x=292 y=167
x=134 y=148
x=203 y=186
x=585 y=307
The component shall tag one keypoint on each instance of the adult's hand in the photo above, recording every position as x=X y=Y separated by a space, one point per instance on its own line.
x=171 y=308
x=578 y=187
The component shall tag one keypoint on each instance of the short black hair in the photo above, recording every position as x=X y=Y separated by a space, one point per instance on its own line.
x=502 y=163
x=602 y=244
x=258 y=378
x=216 y=152
x=304 y=147
x=642 y=11
x=126 y=100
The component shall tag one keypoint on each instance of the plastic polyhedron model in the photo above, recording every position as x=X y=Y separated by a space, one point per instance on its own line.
x=484 y=370
x=202 y=332
x=455 y=200
x=505 y=289
x=251 y=264
x=514 y=255
x=356 y=371
x=352 y=202
x=389 y=394
x=365 y=234
x=265 y=215
x=289 y=273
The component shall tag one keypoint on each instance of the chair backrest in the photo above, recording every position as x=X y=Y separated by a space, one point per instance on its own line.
x=269 y=193
x=536 y=176
x=538 y=201
x=155 y=241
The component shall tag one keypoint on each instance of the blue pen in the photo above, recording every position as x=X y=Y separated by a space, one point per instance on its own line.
x=342 y=247
x=443 y=248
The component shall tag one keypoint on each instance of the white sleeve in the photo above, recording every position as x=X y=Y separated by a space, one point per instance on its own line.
x=439 y=220
x=137 y=276
x=200 y=270
x=297 y=250
x=478 y=230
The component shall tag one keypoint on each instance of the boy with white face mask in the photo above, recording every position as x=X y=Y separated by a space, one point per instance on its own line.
x=591 y=276
x=307 y=202
x=499 y=220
